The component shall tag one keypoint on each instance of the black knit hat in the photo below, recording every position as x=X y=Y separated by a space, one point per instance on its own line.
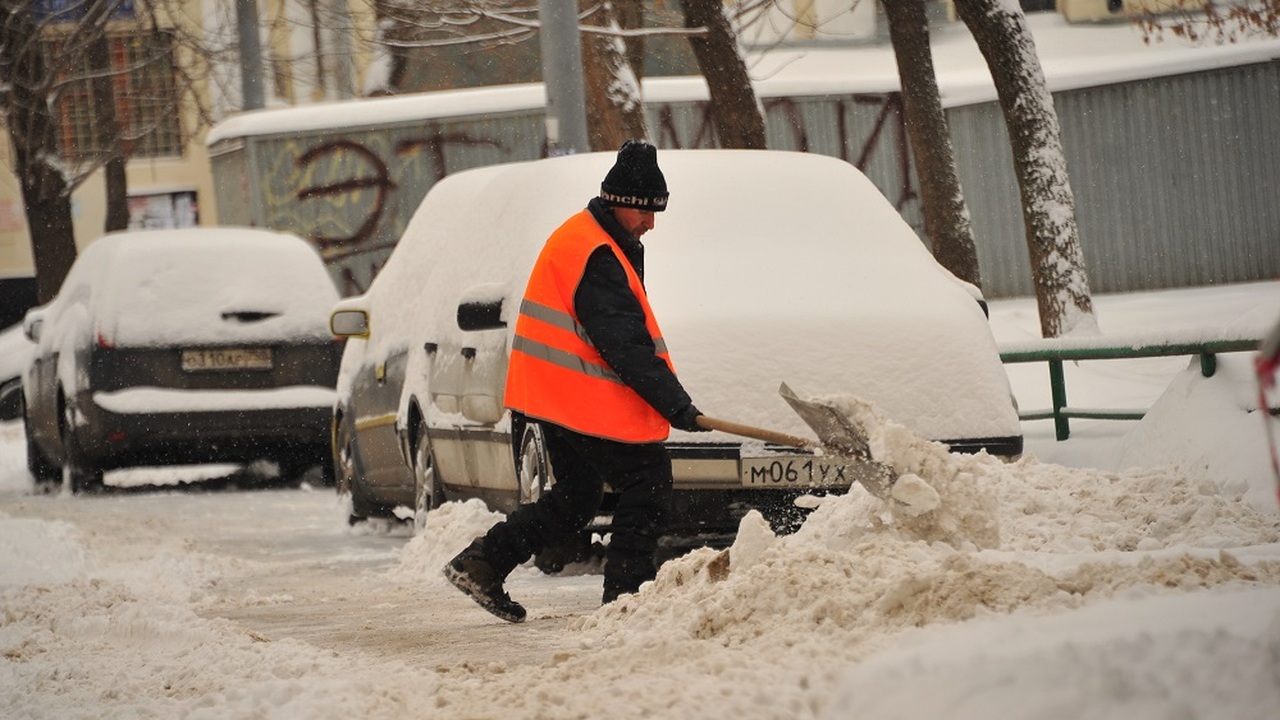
x=635 y=181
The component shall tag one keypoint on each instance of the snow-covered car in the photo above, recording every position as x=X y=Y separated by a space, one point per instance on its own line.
x=168 y=347
x=768 y=267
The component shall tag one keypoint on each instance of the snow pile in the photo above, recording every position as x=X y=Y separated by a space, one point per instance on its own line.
x=1226 y=401
x=936 y=497
x=996 y=537
x=978 y=539
x=1115 y=661
x=449 y=529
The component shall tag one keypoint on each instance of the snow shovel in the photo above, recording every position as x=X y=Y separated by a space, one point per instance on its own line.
x=838 y=436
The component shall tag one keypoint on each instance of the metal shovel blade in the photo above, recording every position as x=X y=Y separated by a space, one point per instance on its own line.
x=842 y=437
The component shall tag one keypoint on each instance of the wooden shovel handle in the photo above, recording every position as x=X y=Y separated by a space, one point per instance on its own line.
x=755 y=433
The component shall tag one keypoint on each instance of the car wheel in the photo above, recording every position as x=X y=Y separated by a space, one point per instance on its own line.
x=312 y=467
x=534 y=469
x=45 y=473
x=328 y=473
x=344 y=475
x=79 y=474
x=426 y=489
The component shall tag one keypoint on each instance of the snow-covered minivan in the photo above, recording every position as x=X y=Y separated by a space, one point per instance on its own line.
x=768 y=267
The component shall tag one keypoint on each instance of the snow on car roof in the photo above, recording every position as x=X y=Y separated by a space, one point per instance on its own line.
x=767 y=267
x=167 y=286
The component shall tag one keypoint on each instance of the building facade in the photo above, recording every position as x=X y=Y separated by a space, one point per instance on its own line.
x=168 y=172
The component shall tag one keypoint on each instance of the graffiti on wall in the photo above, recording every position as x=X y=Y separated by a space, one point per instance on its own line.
x=353 y=192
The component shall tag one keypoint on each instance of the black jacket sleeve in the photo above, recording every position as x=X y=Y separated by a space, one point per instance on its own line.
x=614 y=321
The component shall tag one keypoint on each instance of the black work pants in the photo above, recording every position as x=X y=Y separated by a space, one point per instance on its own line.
x=582 y=464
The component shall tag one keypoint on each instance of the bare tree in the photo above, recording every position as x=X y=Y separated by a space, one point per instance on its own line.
x=112 y=155
x=615 y=105
x=463 y=31
x=55 y=64
x=1048 y=205
x=631 y=16
x=25 y=86
x=610 y=67
x=735 y=110
x=946 y=216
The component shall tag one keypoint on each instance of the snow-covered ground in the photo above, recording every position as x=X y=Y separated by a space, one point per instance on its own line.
x=1132 y=572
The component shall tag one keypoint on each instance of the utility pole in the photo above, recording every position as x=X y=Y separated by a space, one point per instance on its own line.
x=562 y=75
x=250 y=55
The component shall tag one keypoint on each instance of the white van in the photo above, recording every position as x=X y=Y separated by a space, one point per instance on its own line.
x=768 y=267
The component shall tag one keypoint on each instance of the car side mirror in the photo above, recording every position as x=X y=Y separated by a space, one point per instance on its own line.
x=349 y=323
x=32 y=327
x=481 y=315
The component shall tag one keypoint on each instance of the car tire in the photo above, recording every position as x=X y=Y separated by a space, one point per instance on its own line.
x=426 y=487
x=46 y=474
x=344 y=471
x=311 y=467
x=79 y=473
x=328 y=473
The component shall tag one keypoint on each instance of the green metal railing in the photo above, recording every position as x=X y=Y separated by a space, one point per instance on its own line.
x=1056 y=356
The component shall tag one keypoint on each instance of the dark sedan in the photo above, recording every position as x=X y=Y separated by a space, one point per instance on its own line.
x=182 y=346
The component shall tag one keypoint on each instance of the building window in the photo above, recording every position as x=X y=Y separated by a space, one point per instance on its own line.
x=163 y=210
x=146 y=99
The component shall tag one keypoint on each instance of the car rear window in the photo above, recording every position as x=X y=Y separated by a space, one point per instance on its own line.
x=214 y=286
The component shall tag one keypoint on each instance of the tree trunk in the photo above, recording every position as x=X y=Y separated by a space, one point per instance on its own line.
x=946 y=217
x=45 y=192
x=107 y=125
x=735 y=113
x=630 y=16
x=615 y=106
x=1048 y=206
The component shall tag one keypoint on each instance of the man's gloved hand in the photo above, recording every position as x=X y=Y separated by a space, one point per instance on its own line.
x=687 y=419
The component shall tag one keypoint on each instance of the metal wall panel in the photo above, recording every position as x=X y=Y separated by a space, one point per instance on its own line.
x=867 y=130
x=353 y=191
x=984 y=165
x=1176 y=180
x=231 y=185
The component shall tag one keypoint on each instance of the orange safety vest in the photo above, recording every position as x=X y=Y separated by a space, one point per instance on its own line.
x=554 y=373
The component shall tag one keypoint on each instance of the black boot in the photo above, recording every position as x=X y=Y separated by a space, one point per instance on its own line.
x=474 y=575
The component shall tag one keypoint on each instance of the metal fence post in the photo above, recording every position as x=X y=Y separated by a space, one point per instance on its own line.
x=1058 y=385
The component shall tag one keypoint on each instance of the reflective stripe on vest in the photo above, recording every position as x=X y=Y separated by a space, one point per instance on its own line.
x=566 y=322
x=554 y=372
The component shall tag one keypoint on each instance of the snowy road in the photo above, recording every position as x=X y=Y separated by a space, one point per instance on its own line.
x=288 y=566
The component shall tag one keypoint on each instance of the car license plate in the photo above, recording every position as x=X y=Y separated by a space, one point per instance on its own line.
x=226 y=359
x=786 y=471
